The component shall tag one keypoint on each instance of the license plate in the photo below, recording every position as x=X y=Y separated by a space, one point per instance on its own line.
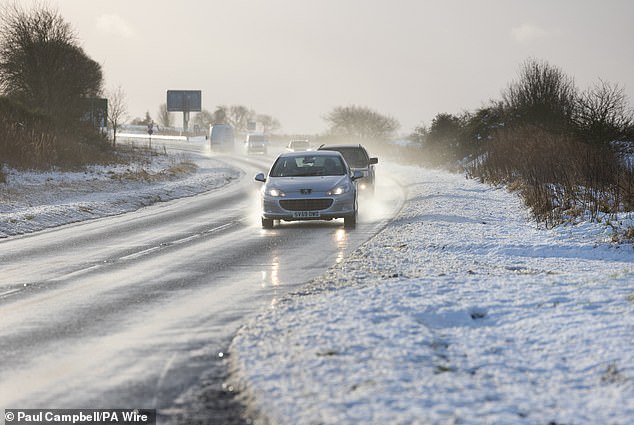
x=305 y=214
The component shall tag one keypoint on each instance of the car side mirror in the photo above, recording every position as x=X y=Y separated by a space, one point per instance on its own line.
x=357 y=174
x=374 y=161
x=260 y=177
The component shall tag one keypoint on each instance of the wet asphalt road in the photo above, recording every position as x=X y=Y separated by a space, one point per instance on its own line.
x=137 y=310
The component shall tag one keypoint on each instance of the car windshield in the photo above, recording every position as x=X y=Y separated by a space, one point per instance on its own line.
x=355 y=157
x=220 y=132
x=257 y=138
x=308 y=165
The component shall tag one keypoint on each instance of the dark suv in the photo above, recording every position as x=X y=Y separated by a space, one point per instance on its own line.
x=358 y=159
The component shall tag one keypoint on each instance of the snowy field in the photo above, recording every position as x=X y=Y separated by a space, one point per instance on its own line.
x=462 y=311
x=31 y=201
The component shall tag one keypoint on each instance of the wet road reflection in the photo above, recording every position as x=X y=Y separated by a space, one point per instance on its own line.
x=270 y=275
x=137 y=306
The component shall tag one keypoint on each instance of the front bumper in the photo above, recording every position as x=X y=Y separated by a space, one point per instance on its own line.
x=328 y=207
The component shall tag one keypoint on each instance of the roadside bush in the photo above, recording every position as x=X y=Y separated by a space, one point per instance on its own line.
x=26 y=138
x=558 y=176
x=568 y=153
x=542 y=96
x=32 y=140
x=45 y=78
x=602 y=114
x=42 y=63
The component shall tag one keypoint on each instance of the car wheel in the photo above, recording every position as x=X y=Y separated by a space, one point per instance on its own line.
x=350 y=221
x=267 y=223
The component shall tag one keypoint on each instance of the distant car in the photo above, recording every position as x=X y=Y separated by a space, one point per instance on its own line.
x=309 y=186
x=298 y=146
x=256 y=143
x=358 y=159
x=221 y=137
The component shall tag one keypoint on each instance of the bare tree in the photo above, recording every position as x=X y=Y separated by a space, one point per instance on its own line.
x=220 y=115
x=269 y=124
x=239 y=117
x=543 y=96
x=42 y=64
x=203 y=119
x=164 y=116
x=361 y=122
x=117 y=111
x=602 y=113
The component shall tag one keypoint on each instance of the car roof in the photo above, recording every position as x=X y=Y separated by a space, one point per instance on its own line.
x=310 y=153
x=340 y=146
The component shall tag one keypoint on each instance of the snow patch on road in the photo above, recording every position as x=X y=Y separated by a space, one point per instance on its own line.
x=461 y=311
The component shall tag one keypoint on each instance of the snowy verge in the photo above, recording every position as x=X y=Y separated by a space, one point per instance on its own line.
x=31 y=201
x=461 y=311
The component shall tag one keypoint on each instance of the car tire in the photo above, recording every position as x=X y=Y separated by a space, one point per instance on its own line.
x=267 y=223
x=350 y=222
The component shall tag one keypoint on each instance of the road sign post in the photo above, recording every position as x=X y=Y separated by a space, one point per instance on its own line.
x=150 y=131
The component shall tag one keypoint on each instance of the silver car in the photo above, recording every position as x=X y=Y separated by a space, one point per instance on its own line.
x=309 y=186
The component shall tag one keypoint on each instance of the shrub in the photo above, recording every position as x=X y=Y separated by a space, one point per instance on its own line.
x=32 y=140
x=46 y=78
x=42 y=63
x=557 y=175
x=26 y=137
x=543 y=96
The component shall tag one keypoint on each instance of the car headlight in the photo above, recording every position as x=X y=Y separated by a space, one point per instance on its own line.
x=274 y=192
x=339 y=190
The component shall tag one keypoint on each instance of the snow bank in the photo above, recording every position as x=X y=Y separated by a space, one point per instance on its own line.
x=32 y=201
x=461 y=311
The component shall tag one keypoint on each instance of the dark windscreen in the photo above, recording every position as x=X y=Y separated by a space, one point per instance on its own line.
x=221 y=134
x=309 y=165
x=355 y=157
x=257 y=138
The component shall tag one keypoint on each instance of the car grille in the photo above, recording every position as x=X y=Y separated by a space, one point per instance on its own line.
x=305 y=204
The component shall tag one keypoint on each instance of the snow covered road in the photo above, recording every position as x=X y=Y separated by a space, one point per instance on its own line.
x=462 y=311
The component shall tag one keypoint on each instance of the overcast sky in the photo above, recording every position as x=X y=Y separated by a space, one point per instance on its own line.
x=298 y=59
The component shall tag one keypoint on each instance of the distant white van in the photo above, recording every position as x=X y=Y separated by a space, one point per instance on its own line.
x=256 y=143
x=221 y=138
